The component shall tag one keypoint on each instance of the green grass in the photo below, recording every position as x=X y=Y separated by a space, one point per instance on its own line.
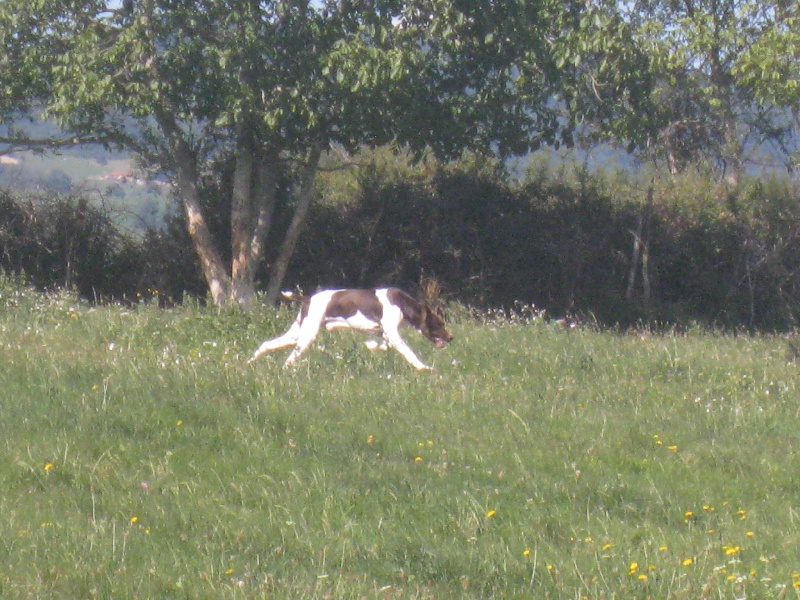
x=140 y=457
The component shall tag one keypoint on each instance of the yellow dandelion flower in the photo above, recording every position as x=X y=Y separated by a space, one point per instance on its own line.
x=750 y=534
x=741 y=514
x=550 y=567
x=490 y=513
x=48 y=467
x=687 y=562
x=642 y=577
x=663 y=548
x=134 y=520
x=526 y=552
x=731 y=550
x=688 y=514
x=607 y=547
x=417 y=459
x=730 y=577
x=370 y=439
x=672 y=448
x=179 y=423
x=796 y=583
x=229 y=572
x=708 y=508
x=633 y=568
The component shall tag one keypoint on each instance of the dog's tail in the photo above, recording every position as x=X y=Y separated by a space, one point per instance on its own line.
x=292 y=296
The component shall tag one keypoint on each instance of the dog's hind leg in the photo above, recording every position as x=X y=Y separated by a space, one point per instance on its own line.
x=307 y=333
x=375 y=345
x=287 y=339
x=308 y=327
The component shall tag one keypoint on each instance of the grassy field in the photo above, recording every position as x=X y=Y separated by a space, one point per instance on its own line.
x=142 y=458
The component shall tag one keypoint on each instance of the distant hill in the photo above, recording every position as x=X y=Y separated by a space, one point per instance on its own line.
x=108 y=178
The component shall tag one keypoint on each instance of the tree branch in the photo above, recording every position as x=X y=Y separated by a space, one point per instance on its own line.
x=16 y=143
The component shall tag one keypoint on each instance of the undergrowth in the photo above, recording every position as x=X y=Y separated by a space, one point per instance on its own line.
x=141 y=457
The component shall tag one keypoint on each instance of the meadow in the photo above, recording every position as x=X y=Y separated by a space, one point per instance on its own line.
x=141 y=457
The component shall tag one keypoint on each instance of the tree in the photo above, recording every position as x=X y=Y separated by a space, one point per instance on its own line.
x=771 y=68
x=726 y=76
x=264 y=88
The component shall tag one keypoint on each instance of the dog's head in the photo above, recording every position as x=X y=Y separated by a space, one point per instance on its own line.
x=433 y=326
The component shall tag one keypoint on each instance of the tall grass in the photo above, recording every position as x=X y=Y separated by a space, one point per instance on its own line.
x=142 y=458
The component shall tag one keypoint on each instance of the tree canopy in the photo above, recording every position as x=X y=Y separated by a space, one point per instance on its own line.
x=725 y=78
x=250 y=94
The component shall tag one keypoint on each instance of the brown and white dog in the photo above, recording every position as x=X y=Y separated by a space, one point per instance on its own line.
x=376 y=310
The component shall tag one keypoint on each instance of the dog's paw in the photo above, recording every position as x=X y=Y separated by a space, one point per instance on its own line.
x=375 y=345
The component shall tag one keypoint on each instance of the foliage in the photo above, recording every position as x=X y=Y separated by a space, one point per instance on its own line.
x=605 y=246
x=60 y=241
x=564 y=239
x=725 y=78
x=770 y=65
x=144 y=458
x=264 y=89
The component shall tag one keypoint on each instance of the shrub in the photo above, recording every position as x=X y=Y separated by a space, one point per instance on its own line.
x=59 y=241
x=617 y=247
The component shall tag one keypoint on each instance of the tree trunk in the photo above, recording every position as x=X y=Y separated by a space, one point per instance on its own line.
x=641 y=251
x=187 y=177
x=265 y=197
x=252 y=206
x=253 y=203
x=219 y=283
x=242 y=287
x=295 y=227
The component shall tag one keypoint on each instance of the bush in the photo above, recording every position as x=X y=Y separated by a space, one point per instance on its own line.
x=59 y=241
x=619 y=248
x=67 y=242
x=615 y=247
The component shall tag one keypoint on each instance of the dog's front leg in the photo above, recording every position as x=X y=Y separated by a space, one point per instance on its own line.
x=394 y=340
